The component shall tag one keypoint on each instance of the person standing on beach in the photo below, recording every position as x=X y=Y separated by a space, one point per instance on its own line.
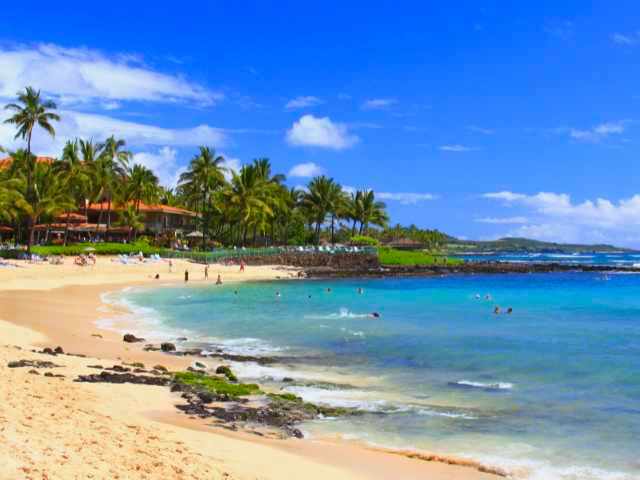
x=170 y=266
x=241 y=265
x=186 y=276
x=206 y=272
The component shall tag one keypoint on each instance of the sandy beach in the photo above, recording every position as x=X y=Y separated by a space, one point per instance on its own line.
x=54 y=428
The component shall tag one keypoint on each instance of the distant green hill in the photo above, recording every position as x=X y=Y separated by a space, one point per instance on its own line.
x=512 y=244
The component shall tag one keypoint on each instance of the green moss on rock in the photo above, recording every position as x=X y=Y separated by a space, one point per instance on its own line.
x=216 y=385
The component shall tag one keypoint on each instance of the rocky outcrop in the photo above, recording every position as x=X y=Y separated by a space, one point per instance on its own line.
x=167 y=347
x=108 y=377
x=32 y=364
x=468 y=268
x=131 y=338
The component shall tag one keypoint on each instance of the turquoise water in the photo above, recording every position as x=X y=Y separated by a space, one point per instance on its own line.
x=619 y=259
x=550 y=391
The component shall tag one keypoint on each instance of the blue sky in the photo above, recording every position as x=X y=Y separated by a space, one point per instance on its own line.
x=482 y=120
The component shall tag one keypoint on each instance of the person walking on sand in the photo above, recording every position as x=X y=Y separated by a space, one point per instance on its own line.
x=170 y=266
x=241 y=266
x=206 y=272
x=186 y=276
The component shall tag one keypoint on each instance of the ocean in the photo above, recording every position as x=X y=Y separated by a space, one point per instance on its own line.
x=550 y=391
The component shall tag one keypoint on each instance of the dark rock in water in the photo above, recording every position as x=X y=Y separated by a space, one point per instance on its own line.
x=48 y=351
x=34 y=372
x=58 y=350
x=181 y=339
x=167 y=347
x=32 y=363
x=246 y=358
x=56 y=375
x=294 y=432
x=151 y=348
x=107 y=377
x=130 y=338
x=191 y=352
x=95 y=366
x=287 y=380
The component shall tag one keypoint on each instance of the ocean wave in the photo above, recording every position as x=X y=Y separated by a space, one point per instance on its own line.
x=342 y=313
x=362 y=400
x=534 y=469
x=484 y=386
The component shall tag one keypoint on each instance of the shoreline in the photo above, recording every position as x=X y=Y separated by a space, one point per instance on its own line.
x=467 y=268
x=74 y=310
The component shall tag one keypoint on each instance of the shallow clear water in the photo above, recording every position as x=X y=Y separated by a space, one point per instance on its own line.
x=552 y=390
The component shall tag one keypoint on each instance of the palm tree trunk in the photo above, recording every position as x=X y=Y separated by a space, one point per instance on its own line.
x=66 y=229
x=29 y=189
x=108 y=216
x=333 y=240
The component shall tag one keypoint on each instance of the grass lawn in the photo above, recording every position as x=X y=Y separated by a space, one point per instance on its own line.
x=391 y=256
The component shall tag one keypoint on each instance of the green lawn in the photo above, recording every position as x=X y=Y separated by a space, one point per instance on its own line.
x=391 y=256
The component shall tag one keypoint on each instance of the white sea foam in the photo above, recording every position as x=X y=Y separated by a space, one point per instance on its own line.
x=342 y=313
x=486 y=386
x=533 y=469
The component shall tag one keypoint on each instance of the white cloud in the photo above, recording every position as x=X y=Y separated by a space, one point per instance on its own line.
x=232 y=164
x=483 y=131
x=456 y=148
x=622 y=39
x=557 y=217
x=98 y=127
x=80 y=75
x=320 y=132
x=378 y=103
x=163 y=163
x=305 y=170
x=303 y=102
x=405 y=198
x=503 y=221
x=598 y=132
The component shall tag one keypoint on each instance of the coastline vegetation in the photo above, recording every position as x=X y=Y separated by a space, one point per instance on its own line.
x=216 y=385
x=250 y=206
x=391 y=256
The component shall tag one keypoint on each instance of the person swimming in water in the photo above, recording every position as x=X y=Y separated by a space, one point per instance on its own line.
x=278 y=294
x=360 y=290
x=374 y=315
x=509 y=311
x=219 y=280
x=496 y=310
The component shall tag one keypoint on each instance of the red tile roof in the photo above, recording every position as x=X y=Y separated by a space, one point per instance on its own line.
x=6 y=161
x=156 y=208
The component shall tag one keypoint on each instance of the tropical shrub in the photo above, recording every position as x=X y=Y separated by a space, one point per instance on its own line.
x=363 y=240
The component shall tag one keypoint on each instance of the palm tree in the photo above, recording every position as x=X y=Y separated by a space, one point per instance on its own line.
x=76 y=175
x=142 y=185
x=131 y=219
x=246 y=197
x=373 y=212
x=118 y=160
x=204 y=176
x=51 y=196
x=322 y=199
x=32 y=112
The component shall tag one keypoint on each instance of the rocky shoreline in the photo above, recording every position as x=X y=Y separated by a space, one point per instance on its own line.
x=467 y=268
